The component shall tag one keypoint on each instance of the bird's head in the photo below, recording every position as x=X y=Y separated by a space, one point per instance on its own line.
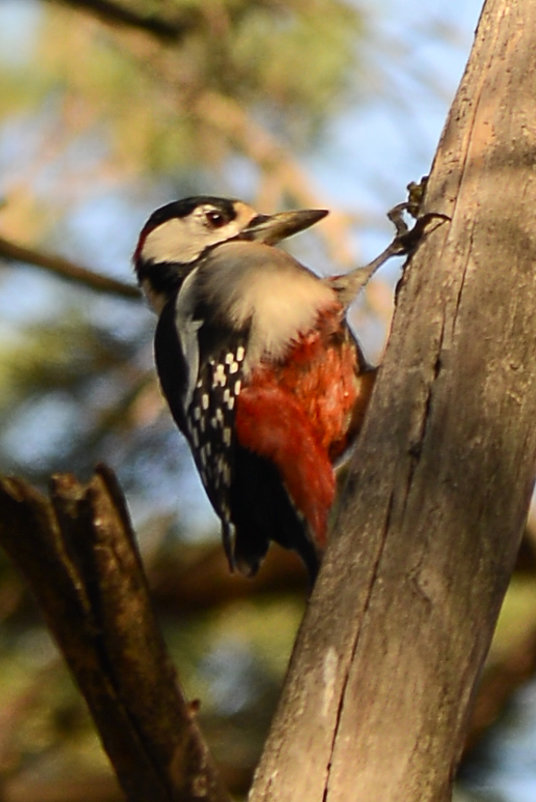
x=177 y=236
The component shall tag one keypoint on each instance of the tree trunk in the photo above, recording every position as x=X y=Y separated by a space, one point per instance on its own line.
x=384 y=669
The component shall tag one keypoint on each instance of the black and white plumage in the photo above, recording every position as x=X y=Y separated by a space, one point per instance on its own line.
x=259 y=368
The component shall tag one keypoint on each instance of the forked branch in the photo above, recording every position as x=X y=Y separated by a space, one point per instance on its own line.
x=78 y=554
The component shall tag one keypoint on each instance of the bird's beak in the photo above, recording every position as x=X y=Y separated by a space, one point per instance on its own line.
x=275 y=227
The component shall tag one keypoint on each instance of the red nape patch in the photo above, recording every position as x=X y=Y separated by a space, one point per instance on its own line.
x=271 y=423
x=141 y=242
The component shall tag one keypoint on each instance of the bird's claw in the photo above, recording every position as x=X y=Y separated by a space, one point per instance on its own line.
x=407 y=239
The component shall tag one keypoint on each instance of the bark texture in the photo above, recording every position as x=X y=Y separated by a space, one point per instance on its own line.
x=80 y=559
x=384 y=669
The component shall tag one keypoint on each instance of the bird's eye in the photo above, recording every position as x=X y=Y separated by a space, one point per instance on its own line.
x=215 y=219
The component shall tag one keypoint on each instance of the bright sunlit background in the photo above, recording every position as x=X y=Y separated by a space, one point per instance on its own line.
x=327 y=103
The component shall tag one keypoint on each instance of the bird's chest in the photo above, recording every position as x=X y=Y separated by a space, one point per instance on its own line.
x=321 y=373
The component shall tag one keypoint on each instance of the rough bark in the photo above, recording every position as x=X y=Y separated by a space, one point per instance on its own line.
x=80 y=559
x=383 y=673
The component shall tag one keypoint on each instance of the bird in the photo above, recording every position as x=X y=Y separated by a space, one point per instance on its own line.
x=260 y=369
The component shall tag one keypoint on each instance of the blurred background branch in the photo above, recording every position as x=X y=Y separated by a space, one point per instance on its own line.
x=68 y=270
x=118 y=14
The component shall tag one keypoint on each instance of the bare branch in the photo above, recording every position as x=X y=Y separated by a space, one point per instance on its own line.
x=79 y=556
x=67 y=270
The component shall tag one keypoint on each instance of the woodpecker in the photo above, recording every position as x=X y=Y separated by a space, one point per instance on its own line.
x=259 y=367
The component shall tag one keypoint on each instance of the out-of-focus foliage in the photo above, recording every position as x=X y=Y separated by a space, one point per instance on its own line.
x=145 y=100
